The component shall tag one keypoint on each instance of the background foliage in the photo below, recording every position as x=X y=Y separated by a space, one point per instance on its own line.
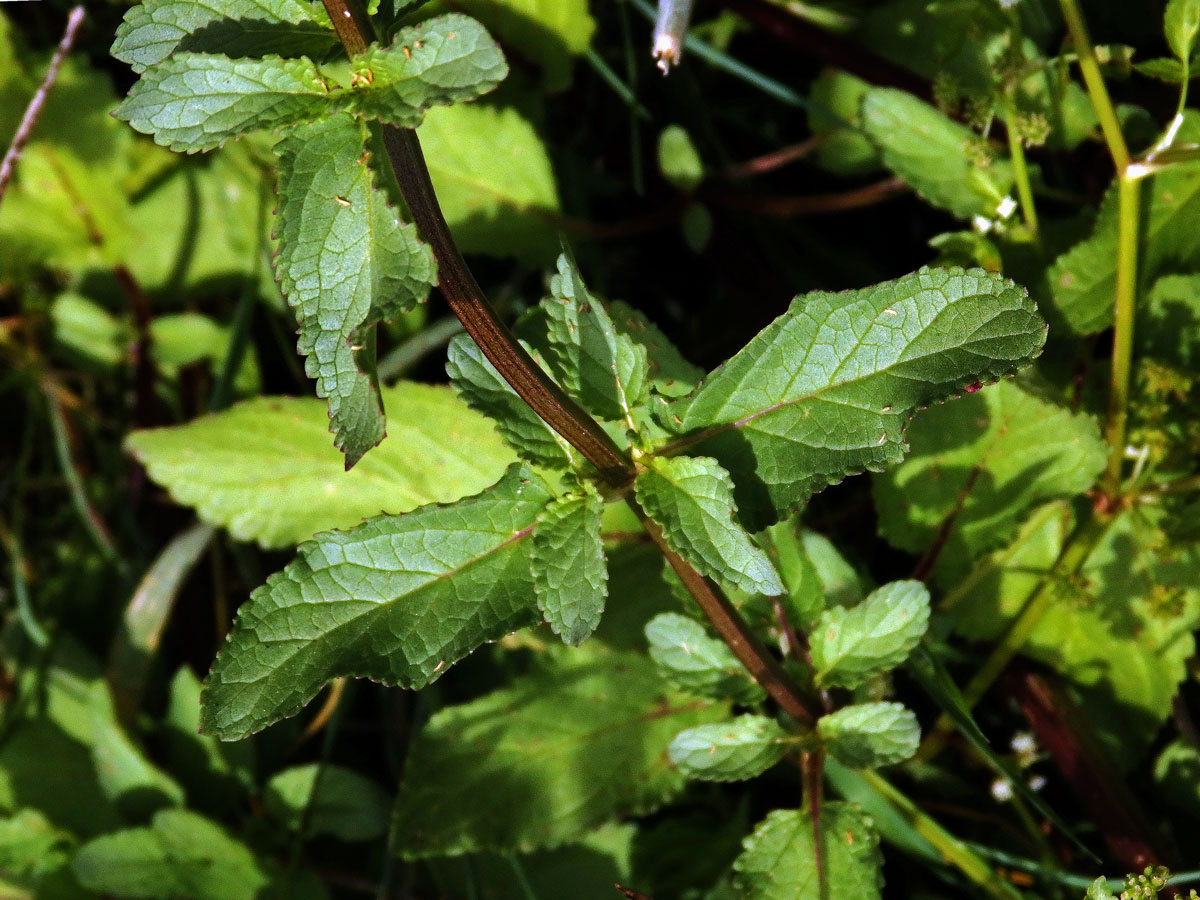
x=1003 y=621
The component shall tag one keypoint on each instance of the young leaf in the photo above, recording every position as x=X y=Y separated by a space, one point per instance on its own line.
x=264 y=468
x=181 y=854
x=729 y=751
x=869 y=735
x=850 y=645
x=345 y=262
x=1083 y=280
x=197 y=102
x=1181 y=25
x=981 y=464
x=441 y=61
x=570 y=574
x=600 y=367
x=397 y=599
x=691 y=499
x=155 y=29
x=694 y=661
x=670 y=374
x=826 y=389
x=328 y=799
x=503 y=772
x=477 y=380
x=929 y=151
x=780 y=860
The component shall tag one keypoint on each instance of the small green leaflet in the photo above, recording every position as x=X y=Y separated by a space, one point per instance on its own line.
x=599 y=366
x=181 y=854
x=826 y=389
x=155 y=29
x=1181 y=25
x=780 y=861
x=197 y=102
x=437 y=63
x=695 y=661
x=729 y=751
x=345 y=262
x=323 y=798
x=397 y=599
x=849 y=645
x=478 y=382
x=928 y=150
x=691 y=499
x=570 y=573
x=504 y=772
x=670 y=374
x=870 y=734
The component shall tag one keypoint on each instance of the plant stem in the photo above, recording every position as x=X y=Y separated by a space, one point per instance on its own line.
x=1128 y=196
x=732 y=629
x=471 y=307
x=1127 y=236
x=468 y=303
x=32 y=112
x=954 y=851
x=1016 y=150
x=1090 y=66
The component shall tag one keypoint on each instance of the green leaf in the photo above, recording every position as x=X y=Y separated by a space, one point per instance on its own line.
x=1099 y=890
x=1164 y=69
x=570 y=574
x=741 y=748
x=804 y=590
x=1083 y=280
x=196 y=102
x=930 y=152
x=397 y=599
x=30 y=846
x=691 y=499
x=328 y=799
x=493 y=180
x=849 y=645
x=180 y=855
x=678 y=159
x=844 y=148
x=1181 y=25
x=345 y=262
x=980 y=465
x=482 y=387
x=779 y=861
x=1121 y=630
x=693 y=660
x=869 y=735
x=265 y=470
x=600 y=367
x=155 y=29
x=549 y=33
x=503 y=772
x=436 y=63
x=826 y=389
x=670 y=374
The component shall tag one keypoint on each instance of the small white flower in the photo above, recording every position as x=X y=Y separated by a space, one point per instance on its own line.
x=1002 y=790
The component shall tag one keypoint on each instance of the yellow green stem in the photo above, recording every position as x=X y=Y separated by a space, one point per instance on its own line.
x=1016 y=150
x=1128 y=202
x=1109 y=124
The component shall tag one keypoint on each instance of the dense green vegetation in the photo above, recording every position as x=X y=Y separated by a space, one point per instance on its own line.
x=569 y=580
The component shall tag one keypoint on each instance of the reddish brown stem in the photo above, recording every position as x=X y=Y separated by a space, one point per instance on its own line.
x=810 y=205
x=34 y=110
x=1061 y=728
